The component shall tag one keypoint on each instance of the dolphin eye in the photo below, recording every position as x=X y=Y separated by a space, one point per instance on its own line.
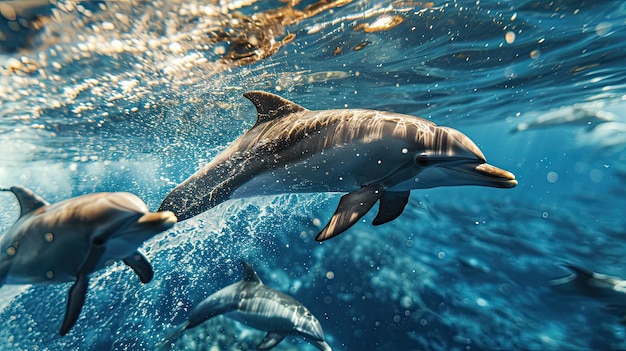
x=422 y=160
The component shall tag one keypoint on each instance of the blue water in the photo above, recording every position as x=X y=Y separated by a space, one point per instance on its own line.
x=137 y=98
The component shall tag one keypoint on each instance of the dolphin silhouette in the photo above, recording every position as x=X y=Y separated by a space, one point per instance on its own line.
x=372 y=155
x=610 y=289
x=251 y=302
x=68 y=240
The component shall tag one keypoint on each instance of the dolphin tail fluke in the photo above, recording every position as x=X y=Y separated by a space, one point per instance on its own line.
x=171 y=336
x=391 y=206
x=141 y=266
x=270 y=340
x=352 y=207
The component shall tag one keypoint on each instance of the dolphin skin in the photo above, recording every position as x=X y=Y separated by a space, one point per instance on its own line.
x=252 y=303
x=67 y=241
x=372 y=155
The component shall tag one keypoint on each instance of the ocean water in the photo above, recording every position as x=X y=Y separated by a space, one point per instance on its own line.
x=136 y=96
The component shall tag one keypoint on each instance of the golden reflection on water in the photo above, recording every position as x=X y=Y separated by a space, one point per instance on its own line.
x=169 y=43
x=178 y=27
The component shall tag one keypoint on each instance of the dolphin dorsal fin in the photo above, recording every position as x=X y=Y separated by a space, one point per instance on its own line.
x=29 y=201
x=249 y=274
x=270 y=106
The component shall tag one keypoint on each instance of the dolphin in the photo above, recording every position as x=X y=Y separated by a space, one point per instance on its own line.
x=251 y=302
x=572 y=115
x=67 y=241
x=372 y=155
x=610 y=289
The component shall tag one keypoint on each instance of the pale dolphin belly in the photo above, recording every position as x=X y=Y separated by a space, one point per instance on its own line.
x=340 y=169
x=262 y=321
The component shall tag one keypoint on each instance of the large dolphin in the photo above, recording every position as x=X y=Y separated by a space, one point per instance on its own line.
x=68 y=240
x=372 y=155
x=251 y=302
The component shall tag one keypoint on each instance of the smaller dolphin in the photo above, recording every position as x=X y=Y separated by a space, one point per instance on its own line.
x=609 y=137
x=610 y=289
x=69 y=240
x=250 y=302
x=571 y=115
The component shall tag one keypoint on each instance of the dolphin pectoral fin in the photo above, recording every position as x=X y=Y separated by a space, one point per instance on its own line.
x=391 y=206
x=78 y=291
x=75 y=301
x=270 y=340
x=320 y=344
x=141 y=266
x=352 y=207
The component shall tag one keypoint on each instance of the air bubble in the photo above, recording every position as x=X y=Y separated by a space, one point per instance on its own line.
x=552 y=177
x=509 y=37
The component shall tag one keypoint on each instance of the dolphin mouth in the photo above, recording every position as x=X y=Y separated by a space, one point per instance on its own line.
x=485 y=174
x=154 y=222
x=167 y=218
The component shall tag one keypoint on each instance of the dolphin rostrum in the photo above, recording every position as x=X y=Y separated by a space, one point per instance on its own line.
x=372 y=155
x=252 y=303
x=68 y=240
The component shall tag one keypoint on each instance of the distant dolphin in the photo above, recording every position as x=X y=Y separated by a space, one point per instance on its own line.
x=66 y=241
x=254 y=304
x=610 y=289
x=372 y=155
x=571 y=115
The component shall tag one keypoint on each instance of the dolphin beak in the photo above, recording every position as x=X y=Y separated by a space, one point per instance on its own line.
x=475 y=173
x=165 y=217
x=153 y=222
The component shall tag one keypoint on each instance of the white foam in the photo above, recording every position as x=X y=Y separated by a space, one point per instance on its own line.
x=9 y=292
